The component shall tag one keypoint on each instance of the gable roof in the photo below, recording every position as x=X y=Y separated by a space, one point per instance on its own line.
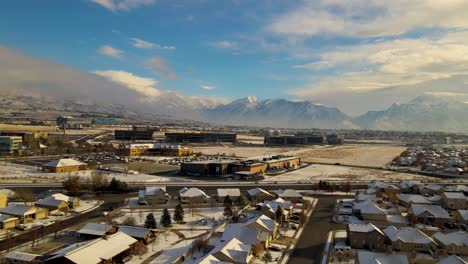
x=456 y=188
x=256 y=190
x=153 y=190
x=64 y=163
x=235 y=250
x=232 y=192
x=63 y=197
x=435 y=210
x=367 y=257
x=407 y=235
x=434 y=187
x=368 y=207
x=247 y=235
x=18 y=209
x=452 y=259
x=413 y=198
x=458 y=238
x=288 y=193
x=94 y=229
x=454 y=195
x=264 y=221
x=210 y=259
x=134 y=231
x=193 y=192
x=5 y=217
x=364 y=228
x=463 y=214
x=21 y=256
x=50 y=201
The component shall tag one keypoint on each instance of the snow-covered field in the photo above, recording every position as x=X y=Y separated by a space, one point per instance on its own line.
x=317 y=172
x=15 y=173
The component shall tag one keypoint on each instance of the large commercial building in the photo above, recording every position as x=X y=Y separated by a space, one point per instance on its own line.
x=201 y=137
x=133 y=150
x=304 y=139
x=136 y=133
x=247 y=166
x=10 y=145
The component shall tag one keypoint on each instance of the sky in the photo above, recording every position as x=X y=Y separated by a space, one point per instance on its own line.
x=356 y=55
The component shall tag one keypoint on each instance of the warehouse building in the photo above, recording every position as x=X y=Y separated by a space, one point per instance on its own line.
x=201 y=137
x=304 y=139
x=64 y=165
x=136 y=133
x=133 y=150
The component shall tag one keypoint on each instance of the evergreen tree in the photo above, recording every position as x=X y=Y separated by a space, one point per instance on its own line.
x=179 y=214
x=166 y=218
x=241 y=200
x=150 y=221
x=227 y=211
x=227 y=201
x=279 y=214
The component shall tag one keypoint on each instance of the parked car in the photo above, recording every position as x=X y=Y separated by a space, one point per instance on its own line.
x=274 y=248
x=22 y=227
x=58 y=214
x=48 y=223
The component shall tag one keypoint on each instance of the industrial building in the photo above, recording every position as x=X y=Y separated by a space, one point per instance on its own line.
x=304 y=139
x=158 y=149
x=253 y=166
x=201 y=137
x=136 y=133
x=64 y=165
x=10 y=145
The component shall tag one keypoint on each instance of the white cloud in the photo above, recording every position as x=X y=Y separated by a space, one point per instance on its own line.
x=116 y=5
x=387 y=64
x=225 y=44
x=370 y=18
x=110 y=51
x=159 y=67
x=207 y=87
x=142 y=44
x=144 y=86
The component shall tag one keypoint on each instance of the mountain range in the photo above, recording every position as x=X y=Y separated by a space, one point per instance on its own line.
x=30 y=84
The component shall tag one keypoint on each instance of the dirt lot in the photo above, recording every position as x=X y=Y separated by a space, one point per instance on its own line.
x=359 y=154
x=151 y=168
x=240 y=151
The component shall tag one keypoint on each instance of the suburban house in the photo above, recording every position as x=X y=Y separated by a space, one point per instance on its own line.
x=407 y=200
x=210 y=259
x=259 y=195
x=288 y=194
x=233 y=193
x=153 y=195
x=269 y=208
x=369 y=211
x=233 y=251
x=461 y=216
x=428 y=214
x=409 y=239
x=456 y=188
x=192 y=195
x=409 y=186
x=453 y=243
x=53 y=205
x=431 y=189
x=139 y=233
x=3 y=200
x=451 y=259
x=367 y=257
x=110 y=249
x=22 y=257
x=64 y=165
x=268 y=227
x=454 y=200
x=93 y=230
x=72 y=202
x=25 y=213
x=366 y=236
x=8 y=221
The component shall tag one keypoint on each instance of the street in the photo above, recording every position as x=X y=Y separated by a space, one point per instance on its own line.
x=310 y=247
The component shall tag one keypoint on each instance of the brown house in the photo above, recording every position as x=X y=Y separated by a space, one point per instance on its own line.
x=454 y=200
x=428 y=214
x=453 y=243
x=409 y=239
x=153 y=195
x=365 y=236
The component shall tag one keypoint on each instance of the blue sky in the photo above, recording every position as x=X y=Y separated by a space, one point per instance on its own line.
x=340 y=53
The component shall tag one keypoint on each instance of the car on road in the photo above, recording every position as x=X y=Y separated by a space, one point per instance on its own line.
x=48 y=223
x=203 y=221
x=22 y=227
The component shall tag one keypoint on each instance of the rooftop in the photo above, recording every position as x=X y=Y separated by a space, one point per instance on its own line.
x=64 y=163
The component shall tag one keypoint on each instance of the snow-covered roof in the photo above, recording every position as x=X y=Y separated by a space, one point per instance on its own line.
x=232 y=192
x=235 y=250
x=64 y=163
x=63 y=197
x=255 y=191
x=99 y=249
x=366 y=197
x=210 y=259
x=367 y=257
x=264 y=221
x=368 y=207
x=49 y=201
x=452 y=259
x=454 y=195
x=463 y=214
x=370 y=191
x=364 y=228
x=193 y=192
x=274 y=204
x=408 y=184
x=435 y=210
x=21 y=256
x=95 y=229
x=434 y=187
x=247 y=235
x=407 y=235
x=456 y=188
x=459 y=238
x=153 y=190
x=5 y=217
x=18 y=209
x=288 y=193
x=413 y=198
x=133 y=231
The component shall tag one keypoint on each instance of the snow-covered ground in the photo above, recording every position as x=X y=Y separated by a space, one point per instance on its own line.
x=173 y=252
x=317 y=172
x=11 y=172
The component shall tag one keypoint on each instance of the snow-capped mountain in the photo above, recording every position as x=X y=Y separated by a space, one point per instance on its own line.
x=278 y=113
x=424 y=113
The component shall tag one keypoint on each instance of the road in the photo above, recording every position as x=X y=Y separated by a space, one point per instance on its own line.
x=310 y=247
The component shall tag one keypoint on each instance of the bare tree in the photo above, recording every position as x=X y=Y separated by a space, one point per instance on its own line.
x=72 y=185
x=98 y=181
x=129 y=221
x=25 y=195
x=139 y=248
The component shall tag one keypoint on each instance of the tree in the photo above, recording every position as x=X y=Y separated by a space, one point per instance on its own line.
x=241 y=201
x=179 y=214
x=347 y=187
x=227 y=211
x=129 y=221
x=267 y=257
x=72 y=185
x=25 y=195
x=118 y=186
x=227 y=201
x=150 y=221
x=98 y=181
x=166 y=218
x=139 y=248
x=279 y=214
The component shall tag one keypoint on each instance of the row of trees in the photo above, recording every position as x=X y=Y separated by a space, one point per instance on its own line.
x=166 y=219
x=97 y=183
